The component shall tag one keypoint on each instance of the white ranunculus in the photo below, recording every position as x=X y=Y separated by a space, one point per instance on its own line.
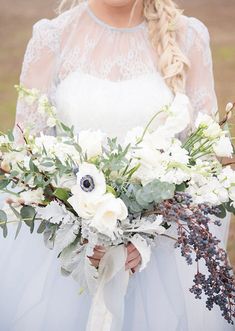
x=54 y=213
x=32 y=196
x=91 y=182
x=179 y=115
x=85 y=208
x=223 y=147
x=109 y=210
x=91 y=142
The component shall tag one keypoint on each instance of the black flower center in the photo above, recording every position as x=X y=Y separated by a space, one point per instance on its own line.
x=87 y=183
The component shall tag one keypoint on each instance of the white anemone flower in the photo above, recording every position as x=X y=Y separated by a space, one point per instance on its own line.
x=91 y=182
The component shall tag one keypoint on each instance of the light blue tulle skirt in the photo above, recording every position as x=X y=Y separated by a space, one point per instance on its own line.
x=35 y=296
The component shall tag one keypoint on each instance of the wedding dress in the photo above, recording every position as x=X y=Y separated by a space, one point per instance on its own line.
x=102 y=77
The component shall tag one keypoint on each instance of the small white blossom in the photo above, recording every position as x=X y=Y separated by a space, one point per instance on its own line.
x=91 y=142
x=32 y=196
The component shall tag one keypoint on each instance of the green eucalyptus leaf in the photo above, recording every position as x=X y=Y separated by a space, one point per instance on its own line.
x=229 y=207
x=4 y=183
x=3 y=216
x=61 y=194
x=181 y=187
x=41 y=227
x=222 y=213
x=18 y=229
x=28 y=214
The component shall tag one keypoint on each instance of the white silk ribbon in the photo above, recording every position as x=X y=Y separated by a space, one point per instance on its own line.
x=107 y=308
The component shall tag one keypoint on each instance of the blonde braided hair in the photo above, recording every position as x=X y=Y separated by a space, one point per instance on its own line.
x=162 y=17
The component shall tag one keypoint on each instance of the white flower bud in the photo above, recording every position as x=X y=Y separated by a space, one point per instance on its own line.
x=229 y=107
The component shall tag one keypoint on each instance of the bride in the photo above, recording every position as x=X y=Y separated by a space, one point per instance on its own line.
x=109 y=65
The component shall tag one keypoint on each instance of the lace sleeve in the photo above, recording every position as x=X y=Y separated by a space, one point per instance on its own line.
x=200 y=78
x=37 y=72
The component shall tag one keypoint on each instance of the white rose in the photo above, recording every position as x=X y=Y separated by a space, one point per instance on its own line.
x=91 y=142
x=109 y=210
x=85 y=208
x=223 y=147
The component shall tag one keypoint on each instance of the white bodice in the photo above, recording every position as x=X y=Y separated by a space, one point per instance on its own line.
x=103 y=77
x=86 y=101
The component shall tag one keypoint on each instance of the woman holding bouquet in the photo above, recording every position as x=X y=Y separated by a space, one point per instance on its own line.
x=110 y=65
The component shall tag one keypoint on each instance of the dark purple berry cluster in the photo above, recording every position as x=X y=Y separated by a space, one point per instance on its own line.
x=197 y=243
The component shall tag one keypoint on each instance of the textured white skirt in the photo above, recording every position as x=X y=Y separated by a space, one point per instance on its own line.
x=35 y=296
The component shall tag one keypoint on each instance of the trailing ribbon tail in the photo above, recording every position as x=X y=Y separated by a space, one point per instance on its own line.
x=107 y=308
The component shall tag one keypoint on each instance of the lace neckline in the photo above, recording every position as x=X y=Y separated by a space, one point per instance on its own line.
x=110 y=27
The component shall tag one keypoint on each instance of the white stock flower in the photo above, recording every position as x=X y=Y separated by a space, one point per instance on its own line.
x=133 y=135
x=91 y=182
x=32 y=196
x=109 y=210
x=11 y=159
x=51 y=122
x=30 y=97
x=91 y=142
x=211 y=192
x=179 y=115
x=227 y=177
x=42 y=104
x=223 y=147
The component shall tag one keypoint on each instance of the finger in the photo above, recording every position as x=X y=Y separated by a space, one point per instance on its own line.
x=100 y=249
x=133 y=255
x=98 y=255
x=134 y=263
x=94 y=262
x=130 y=248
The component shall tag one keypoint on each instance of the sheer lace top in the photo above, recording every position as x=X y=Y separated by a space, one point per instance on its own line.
x=78 y=43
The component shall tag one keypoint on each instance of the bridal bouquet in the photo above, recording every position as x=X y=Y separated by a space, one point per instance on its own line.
x=87 y=189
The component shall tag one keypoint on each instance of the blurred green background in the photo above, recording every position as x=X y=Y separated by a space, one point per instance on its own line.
x=17 y=17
